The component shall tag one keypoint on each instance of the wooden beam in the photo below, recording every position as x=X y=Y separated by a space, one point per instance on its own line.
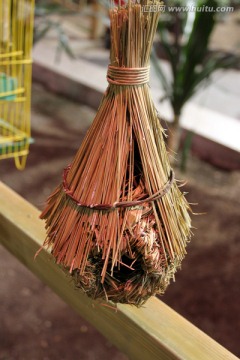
x=153 y=332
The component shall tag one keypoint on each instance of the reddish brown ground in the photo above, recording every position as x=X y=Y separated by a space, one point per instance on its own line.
x=36 y=325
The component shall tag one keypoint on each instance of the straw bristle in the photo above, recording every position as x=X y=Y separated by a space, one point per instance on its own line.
x=123 y=254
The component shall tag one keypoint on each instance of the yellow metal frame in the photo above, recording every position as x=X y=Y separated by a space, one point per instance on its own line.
x=16 y=33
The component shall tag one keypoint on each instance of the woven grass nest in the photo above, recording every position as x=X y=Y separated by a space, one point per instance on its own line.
x=118 y=222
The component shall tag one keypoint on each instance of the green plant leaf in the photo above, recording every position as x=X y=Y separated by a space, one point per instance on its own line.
x=168 y=46
x=193 y=53
x=160 y=72
x=213 y=63
x=64 y=44
x=40 y=34
x=48 y=9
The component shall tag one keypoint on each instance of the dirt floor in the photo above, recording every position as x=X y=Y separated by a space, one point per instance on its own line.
x=36 y=325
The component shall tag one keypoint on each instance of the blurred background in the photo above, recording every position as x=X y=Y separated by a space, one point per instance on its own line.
x=195 y=83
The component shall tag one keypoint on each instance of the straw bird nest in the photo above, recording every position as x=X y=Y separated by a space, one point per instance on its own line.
x=118 y=221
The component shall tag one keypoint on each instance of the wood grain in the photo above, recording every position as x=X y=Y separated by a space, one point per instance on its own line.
x=154 y=331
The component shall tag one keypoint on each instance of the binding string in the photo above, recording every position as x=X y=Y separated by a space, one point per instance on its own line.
x=124 y=76
x=121 y=204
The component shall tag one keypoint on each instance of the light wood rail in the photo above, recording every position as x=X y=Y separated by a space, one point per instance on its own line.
x=153 y=332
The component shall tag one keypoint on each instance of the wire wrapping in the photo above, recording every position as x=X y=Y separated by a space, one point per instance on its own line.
x=120 y=204
x=124 y=76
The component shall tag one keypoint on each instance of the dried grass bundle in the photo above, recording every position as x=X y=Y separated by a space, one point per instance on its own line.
x=118 y=222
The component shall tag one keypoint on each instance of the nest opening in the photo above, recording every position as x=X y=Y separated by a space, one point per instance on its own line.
x=138 y=276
